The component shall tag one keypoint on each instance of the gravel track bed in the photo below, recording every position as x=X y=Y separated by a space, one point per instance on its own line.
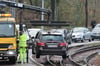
x=95 y=61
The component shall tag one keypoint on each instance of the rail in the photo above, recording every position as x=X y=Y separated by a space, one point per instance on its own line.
x=80 y=51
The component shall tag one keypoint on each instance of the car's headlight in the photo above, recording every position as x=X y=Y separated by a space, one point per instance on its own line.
x=10 y=52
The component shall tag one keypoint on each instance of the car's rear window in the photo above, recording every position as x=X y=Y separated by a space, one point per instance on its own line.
x=52 y=37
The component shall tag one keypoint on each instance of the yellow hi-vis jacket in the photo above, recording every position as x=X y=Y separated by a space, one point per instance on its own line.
x=22 y=40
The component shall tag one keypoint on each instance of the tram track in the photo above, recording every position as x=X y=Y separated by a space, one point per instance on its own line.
x=53 y=63
x=48 y=62
x=87 y=59
x=77 y=58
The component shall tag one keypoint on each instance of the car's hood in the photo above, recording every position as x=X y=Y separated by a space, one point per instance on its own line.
x=97 y=30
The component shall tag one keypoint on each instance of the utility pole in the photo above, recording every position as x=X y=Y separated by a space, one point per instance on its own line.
x=21 y=26
x=20 y=17
x=86 y=13
x=13 y=9
x=53 y=8
x=95 y=3
x=42 y=15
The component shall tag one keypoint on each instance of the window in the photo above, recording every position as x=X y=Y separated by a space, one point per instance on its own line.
x=6 y=29
x=52 y=37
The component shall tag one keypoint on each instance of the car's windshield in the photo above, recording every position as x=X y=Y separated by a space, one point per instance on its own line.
x=6 y=29
x=52 y=37
x=96 y=30
x=97 y=26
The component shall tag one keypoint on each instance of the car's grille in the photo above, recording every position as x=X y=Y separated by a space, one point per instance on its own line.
x=96 y=33
x=4 y=45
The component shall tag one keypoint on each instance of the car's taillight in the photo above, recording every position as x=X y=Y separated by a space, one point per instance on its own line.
x=62 y=44
x=41 y=44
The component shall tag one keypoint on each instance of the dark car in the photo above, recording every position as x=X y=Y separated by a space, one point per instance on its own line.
x=47 y=43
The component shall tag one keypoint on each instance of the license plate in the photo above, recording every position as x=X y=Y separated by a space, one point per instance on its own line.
x=52 y=45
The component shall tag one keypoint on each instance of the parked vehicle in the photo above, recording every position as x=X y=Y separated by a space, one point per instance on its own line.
x=96 y=32
x=49 y=43
x=81 y=34
x=66 y=34
x=8 y=39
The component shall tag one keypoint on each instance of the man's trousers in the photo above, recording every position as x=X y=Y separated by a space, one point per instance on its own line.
x=22 y=52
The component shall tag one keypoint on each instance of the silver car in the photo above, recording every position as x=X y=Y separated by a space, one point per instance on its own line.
x=81 y=34
x=96 y=32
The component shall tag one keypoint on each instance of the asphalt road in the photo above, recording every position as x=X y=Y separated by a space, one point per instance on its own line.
x=29 y=64
x=18 y=64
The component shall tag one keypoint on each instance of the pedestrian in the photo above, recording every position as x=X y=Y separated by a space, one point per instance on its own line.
x=93 y=23
x=22 y=47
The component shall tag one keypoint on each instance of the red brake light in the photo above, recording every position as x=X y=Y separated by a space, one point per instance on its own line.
x=62 y=44
x=41 y=44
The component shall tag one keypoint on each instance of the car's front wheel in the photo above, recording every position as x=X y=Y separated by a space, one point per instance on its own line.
x=83 y=39
x=64 y=56
x=12 y=60
x=33 y=50
x=90 y=39
x=37 y=55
